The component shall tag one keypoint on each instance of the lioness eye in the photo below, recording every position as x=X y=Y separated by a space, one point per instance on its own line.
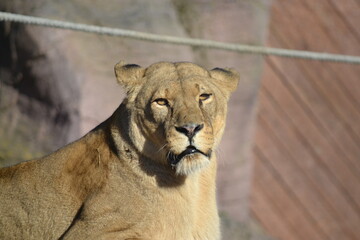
x=161 y=101
x=204 y=96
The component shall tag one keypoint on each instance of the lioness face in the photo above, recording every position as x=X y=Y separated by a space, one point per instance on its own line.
x=180 y=110
x=178 y=119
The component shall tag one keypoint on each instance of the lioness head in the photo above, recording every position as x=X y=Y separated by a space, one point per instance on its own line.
x=177 y=111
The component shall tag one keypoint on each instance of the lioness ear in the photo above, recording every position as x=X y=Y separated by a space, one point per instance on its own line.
x=129 y=75
x=228 y=78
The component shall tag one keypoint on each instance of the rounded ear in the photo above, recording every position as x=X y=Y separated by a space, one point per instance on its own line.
x=129 y=75
x=228 y=78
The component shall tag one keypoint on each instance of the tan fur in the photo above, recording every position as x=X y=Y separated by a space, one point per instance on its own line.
x=117 y=182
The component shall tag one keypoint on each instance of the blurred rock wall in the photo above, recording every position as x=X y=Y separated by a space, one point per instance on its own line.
x=56 y=85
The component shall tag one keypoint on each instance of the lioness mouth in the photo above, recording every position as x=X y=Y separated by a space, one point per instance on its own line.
x=175 y=159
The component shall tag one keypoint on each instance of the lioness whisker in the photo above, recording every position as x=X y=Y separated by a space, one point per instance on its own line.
x=162 y=147
x=219 y=152
x=168 y=154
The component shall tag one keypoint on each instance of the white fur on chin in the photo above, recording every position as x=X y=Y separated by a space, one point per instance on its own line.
x=191 y=164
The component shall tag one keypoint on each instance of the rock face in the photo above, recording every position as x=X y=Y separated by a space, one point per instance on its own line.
x=39 y=97
x=57 y=85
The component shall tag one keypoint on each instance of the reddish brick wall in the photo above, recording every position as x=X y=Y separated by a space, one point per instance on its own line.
x=307 y=146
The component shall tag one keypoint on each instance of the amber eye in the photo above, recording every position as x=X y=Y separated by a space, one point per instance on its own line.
x=161 y=101
x=204 y=96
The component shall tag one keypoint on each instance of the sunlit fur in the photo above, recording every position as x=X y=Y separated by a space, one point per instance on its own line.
x=117 y=182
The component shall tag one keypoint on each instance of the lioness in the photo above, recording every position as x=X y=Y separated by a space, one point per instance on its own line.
x=147 y=172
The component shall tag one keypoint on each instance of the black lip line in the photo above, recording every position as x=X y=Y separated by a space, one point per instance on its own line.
x=175 y=159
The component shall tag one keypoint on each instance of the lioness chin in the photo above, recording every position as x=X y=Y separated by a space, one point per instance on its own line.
x=147 y=172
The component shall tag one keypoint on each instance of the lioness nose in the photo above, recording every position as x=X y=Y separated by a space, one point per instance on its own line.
x=190 y=129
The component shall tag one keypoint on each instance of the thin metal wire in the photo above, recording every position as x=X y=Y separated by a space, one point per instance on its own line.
x=4 y=16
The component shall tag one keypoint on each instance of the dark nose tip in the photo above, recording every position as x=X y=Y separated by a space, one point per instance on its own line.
x=190 y=129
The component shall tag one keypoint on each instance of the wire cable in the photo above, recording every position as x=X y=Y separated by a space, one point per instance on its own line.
x=260 y=50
